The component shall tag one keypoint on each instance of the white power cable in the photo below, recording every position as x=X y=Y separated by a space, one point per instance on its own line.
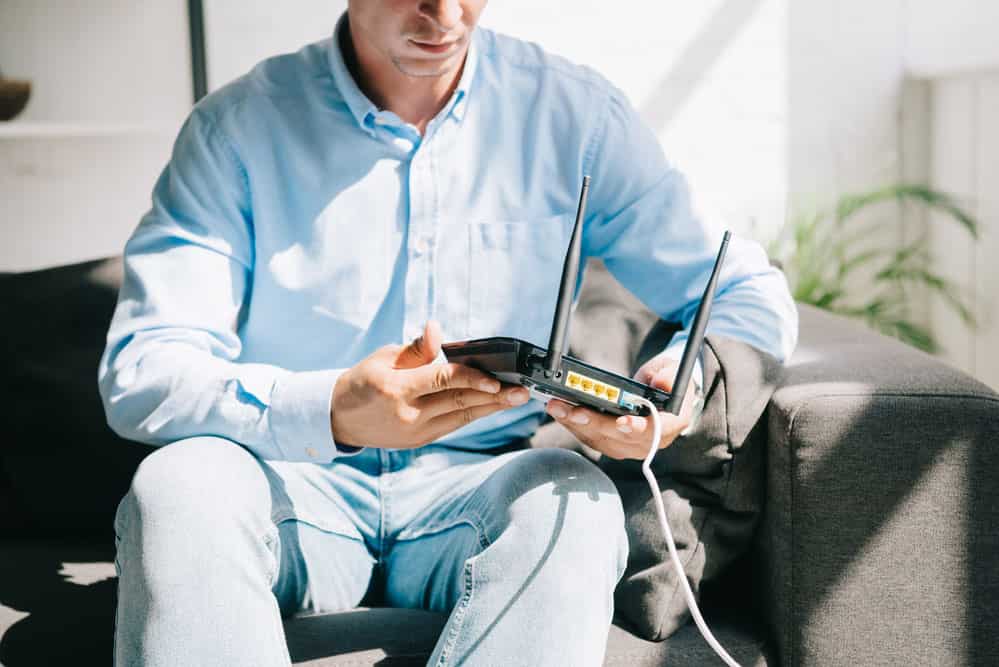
x=657 y=496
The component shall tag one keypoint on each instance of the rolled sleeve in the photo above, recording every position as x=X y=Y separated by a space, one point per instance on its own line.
x=301 y=417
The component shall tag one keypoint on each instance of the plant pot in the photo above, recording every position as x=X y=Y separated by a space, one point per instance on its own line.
x=14 y=94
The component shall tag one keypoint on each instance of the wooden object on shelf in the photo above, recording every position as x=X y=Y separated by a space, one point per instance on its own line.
x=14 y=94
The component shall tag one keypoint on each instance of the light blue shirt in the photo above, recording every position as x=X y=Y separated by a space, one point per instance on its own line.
x=297 y=228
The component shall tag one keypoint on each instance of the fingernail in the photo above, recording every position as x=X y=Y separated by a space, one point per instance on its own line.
x=489 y=386
x=580 y=418
x=557 y=411
x=518 y=397
x=624 y=428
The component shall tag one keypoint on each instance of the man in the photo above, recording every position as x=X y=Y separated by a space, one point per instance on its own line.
x=412 y=178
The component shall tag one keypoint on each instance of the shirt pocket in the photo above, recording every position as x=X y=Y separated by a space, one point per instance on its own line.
x=343 y=272
x=514 y=271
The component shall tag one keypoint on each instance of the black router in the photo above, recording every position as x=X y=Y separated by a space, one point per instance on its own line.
x=553 y=374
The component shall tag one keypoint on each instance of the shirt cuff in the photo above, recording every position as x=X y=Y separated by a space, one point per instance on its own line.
x=300 y=417
x=675 y=351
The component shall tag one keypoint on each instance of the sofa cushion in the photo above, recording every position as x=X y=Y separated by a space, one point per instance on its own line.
x=62 y=470
x=879 y=544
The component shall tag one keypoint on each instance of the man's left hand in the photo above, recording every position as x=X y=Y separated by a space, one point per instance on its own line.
x=627 y=437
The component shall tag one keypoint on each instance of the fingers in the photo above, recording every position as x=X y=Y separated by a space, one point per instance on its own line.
x=451 y=421
x=434 y=378
x=453 y=400
x=617 y=437
x=641 y=427
x=589 y=433
x=588 y=425
x=423 y=350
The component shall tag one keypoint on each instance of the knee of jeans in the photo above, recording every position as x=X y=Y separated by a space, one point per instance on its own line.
x=585 y=501
x=197 y=480
x=568 y=473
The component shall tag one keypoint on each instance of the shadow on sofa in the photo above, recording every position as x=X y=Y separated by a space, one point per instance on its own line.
x=64 y=613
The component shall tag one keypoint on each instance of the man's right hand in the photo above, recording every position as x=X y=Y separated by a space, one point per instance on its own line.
x=399 y=398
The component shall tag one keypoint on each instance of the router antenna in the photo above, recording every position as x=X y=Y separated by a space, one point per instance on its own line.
x=570 y=272
x=693 y=346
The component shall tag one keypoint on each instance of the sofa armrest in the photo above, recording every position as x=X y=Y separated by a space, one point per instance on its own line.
x=880 y=539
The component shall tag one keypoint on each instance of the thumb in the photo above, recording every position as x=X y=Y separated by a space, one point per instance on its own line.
x=422 y=350
x=659 y=372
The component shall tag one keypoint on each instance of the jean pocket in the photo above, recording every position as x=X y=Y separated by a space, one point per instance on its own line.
x=514 y=273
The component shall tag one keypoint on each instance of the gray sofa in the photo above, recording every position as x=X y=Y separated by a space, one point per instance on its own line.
x=879 y=542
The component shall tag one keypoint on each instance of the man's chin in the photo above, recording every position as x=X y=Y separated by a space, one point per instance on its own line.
x=423 y=68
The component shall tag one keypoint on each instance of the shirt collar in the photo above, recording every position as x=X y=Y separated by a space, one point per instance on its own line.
x=364 y=110
x=459 y=101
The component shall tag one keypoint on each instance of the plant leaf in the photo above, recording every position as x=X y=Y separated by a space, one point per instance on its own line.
x=848 y=205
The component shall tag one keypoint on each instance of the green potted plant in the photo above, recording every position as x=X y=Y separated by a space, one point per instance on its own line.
x=827 y=254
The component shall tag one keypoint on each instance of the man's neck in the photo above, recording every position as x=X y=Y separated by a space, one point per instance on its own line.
x=415 y=99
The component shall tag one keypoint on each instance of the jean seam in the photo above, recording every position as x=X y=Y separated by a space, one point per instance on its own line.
x=381 y=508
x=468 y=571
x=459 y=613
x=475 y=521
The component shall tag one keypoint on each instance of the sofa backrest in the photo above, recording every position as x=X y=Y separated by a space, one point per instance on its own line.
x=62 y=470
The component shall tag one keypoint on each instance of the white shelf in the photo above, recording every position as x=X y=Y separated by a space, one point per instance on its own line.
x=54 y=130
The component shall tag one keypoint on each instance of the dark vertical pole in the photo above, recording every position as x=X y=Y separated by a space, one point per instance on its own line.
x=199 y=63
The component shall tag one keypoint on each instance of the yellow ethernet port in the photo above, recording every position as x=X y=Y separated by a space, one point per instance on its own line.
x=590 y=386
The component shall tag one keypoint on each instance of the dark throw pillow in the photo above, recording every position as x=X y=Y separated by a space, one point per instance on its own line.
x=712 y=484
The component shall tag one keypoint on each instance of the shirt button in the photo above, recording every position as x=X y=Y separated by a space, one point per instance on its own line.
x=311 y=452
x=421 y=246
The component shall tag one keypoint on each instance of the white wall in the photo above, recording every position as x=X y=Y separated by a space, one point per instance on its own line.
x=944 y=38
x=241 y=34
x=954 y=50
x=110 y=85
x=847 y=63
x=964 y=140
x=845 y=66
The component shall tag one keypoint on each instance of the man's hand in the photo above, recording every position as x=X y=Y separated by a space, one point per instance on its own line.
x=627 y=437
x=399 y=398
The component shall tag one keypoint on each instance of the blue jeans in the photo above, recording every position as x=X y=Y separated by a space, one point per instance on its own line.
x=523 y=548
